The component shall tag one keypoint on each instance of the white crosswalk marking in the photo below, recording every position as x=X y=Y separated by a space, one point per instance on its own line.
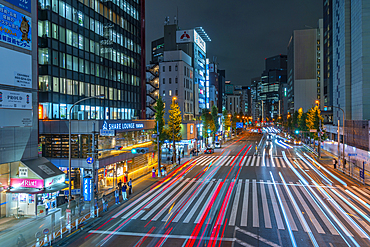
x=303 y=164
x=282 y=162
x=164 y=209
x=235 y=204
x=286 y=208
x=160 y=203
x=243 y=162
x=244 y=217
x=258 y=161
x=248 y=161
x=266 y=213
x=256 y=222
x=277 y=162
x=254 y=158
x=322 y=216
x=180 y=203
x=272 y=161
x=262 y=162
x=267 y=162
x=229 y=161
x=206 y=203
x=195 y=207
x=308 y=211
x=275 y=207
x=225 y=161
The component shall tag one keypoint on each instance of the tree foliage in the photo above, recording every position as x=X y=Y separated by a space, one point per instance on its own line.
x=159 y=120
x=313 y=120
x=214 y=113
x=208 y=124
x=225 y=119
x=174 y=121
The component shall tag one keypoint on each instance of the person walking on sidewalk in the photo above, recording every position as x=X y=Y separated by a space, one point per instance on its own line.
x=335 y=163
x=120 y=186
x=116 y=195
x=124 y=194
x=105 y=204
x=81 y=205
x=130 y=187
x=153 y=173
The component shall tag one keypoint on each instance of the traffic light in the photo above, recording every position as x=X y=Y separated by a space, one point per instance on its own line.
x=140 y=150
x=297 y=132
x=118 y=147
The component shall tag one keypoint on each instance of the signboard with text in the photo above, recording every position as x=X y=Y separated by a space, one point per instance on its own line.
x=239 y=125
x=23 y=4
x=15 y=100
x=121 y=125
x=16 y=69
x=87 y=189
x=15 y=28
x=26 y=183
x=186 y=36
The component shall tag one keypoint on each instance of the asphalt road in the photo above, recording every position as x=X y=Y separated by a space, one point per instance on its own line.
x=280 y=197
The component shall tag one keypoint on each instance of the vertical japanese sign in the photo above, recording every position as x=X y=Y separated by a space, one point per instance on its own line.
x=15 y=28
x=87 y=189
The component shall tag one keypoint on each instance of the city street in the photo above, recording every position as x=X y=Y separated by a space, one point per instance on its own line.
x=280 y=197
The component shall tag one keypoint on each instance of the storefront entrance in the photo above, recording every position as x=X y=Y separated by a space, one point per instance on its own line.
x=21 y=204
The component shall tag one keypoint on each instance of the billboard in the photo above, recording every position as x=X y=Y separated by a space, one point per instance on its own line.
x=239 y=125
x=16 y=69
x=15 y=28
x=186 y=36
x=23 y=4
x=15 y=118
x=15 y=100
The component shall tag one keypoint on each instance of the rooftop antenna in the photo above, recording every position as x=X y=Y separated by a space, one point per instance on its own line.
x=177 y=15
x=175 y=20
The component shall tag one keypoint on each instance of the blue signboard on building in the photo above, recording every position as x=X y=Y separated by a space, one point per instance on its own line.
x=87 y=189
x=23 y=4
x=15 y=28
x=239 y=125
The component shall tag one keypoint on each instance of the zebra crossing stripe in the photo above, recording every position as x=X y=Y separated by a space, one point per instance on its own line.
x=243 y=162
x=262 y=163
x=255 y=204
x=248 y=161
x=267 y=161
x=272 y=161
x=304 y=165
x=277 y=161
x=235 y=204
x=197 y=220
x=195 y=207
x=308 y=211
x=282 y=162
x=358 y=195
x=161 y=201
x=191 y=190
x=318 y=210
x=244 y=216
x=226 y=162
x=254 y=158
x=266 y=213
x=275 y=207
x=163 y=209
x=293 y=226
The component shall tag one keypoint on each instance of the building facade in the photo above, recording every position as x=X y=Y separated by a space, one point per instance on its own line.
x=304 y=68
x=176 y=83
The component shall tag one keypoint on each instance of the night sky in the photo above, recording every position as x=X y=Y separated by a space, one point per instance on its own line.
x=243 y=32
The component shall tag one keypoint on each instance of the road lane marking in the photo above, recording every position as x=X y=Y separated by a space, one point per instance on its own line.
x=266 y=213
x=235 y=204
x=202 y=211
x=275 y=207
x=259 y=238
x=277 y=161
x=244 y=217
x=311 y=216
x=282 y=162
x=254 y=158
x=248 y=161
x=287 y=210
x=195 y=207
x=256 y=222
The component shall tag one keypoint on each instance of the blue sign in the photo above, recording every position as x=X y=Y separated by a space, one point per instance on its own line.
x=122 y=126
x=23 y=4
x=73 y=192
x=362 y=174
x=107 y=132
x=15 y=28
x=352 y=154
x=87 y=189
x=90 y=160
x=239 y=125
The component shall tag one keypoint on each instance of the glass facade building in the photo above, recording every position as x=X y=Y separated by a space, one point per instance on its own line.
x=89 y=48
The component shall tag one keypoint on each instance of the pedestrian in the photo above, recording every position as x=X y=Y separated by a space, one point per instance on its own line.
x=124 y=194
x=179 y=159
x=162 y=171
x=105 y=204
x=81 y=205
x=130 y=187
x=335 y=163
x=165 y=171
x=96 y=205
x=120 y=186
x=153 y=173
x=183 y=153
x=116 y=195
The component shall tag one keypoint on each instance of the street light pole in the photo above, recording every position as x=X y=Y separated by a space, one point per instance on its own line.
x=159 y=151
x=70 y=148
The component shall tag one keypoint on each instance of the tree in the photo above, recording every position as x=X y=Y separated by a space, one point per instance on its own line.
x=295 y=119
x=214 y=114
x=234 y=120
x=209 y=126
x=313 y=120
x=160 y=123
x=225 y=121
x=174 y=124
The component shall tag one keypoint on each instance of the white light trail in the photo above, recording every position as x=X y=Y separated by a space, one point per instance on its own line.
x=293 y=169
x=294 y=244
x=315 y=169
x=357 y=198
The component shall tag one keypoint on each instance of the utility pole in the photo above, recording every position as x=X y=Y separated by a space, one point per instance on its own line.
x=93 y=170
x=262 y=113
x=159 y=151
x=339 y=143
x=319 y=135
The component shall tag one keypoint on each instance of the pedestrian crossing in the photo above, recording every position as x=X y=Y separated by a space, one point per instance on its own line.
x=268 y=162
x=253 y=203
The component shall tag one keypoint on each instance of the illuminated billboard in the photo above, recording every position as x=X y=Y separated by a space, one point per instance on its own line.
x=186 y=36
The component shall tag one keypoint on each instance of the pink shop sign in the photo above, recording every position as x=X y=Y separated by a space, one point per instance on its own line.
x=26 y=183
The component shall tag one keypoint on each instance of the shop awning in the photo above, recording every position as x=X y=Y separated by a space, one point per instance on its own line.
x=54 y=188
x=42 y=167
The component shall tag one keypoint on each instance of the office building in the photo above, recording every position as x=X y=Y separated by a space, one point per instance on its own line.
x=221 y=104
x=304 y=68
x=328 y=61
x=176 y=82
